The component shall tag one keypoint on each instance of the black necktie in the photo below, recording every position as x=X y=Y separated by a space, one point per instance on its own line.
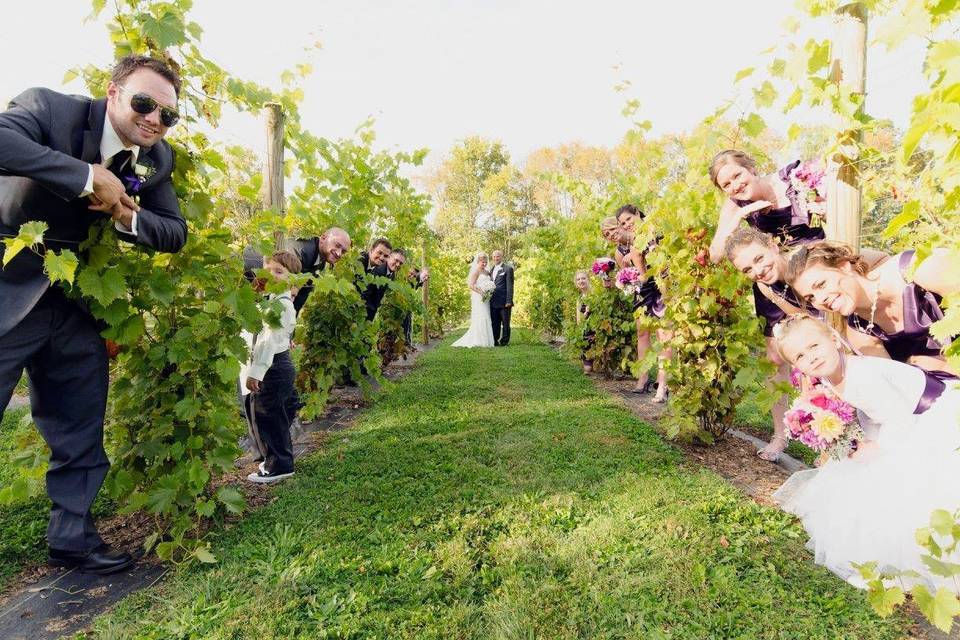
x=119 y=163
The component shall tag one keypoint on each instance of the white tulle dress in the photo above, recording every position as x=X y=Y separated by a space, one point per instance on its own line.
x=480 y=333
x=868 y=508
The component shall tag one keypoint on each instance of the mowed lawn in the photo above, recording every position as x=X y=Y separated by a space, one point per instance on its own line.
x=496 y=493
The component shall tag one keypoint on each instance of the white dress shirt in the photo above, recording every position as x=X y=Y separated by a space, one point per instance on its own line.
x=111 y=145
x=493 y=274
x=270 y=341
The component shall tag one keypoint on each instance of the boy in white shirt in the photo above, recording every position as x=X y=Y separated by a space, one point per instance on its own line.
x=271 y=405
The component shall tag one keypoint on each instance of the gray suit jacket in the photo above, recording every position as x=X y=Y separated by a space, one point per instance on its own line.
x=47 y=140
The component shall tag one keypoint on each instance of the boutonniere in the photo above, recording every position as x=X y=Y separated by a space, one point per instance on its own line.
x=142 y=171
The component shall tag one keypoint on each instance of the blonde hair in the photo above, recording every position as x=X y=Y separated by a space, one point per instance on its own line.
x=581 y=272
x=789 y=325
x=610 y=223
x=730 y=156
x=744 y=237
x=828 y=253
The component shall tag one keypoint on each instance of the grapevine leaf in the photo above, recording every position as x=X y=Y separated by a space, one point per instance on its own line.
x=940 y=609
x=232 y=499
x=60 y=266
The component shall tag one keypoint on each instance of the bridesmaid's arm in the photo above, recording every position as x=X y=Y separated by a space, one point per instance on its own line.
x=867 y=345
x=873 y=257
x=939 y=273
x=731 y=215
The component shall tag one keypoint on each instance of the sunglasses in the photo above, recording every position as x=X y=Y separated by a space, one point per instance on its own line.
x=144 y=104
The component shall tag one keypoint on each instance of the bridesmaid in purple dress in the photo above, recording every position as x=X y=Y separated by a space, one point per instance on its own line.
x=888 y=315
x=769 y=204
x=648 y=297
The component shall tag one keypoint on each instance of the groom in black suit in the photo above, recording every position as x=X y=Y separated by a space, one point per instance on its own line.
x=70 y=161
x=501 y=301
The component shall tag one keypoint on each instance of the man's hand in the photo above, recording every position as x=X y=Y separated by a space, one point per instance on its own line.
x=107 y=190
x=253 y=385
x=123 y=214
x=508 y=305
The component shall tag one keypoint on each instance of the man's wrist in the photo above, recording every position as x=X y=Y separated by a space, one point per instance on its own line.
x=88 y=187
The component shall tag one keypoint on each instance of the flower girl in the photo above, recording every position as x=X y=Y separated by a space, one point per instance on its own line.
x=887 y=474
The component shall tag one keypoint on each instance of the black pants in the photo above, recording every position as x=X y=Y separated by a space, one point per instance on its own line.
x=59 y=345
x=408 y=329
x=271 y=412
x=500 y=317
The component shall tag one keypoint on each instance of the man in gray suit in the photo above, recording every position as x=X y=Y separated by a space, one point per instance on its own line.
x=70 y=161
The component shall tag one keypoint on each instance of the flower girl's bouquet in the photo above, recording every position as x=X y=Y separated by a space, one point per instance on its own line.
x=629 y=280
x=824 y=423
x=603 y=267
x=487 y=288
x=808 y=181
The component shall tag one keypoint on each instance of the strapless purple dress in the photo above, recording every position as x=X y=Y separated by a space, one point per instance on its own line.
x=921 y=308
x=791 y=226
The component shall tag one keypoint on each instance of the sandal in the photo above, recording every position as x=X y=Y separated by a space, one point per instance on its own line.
x=661 y=399
x=763 y=454
x=644 y=390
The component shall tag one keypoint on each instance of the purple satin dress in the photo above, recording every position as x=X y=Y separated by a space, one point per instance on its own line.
x=921 y=308
x=648 y=295
x=791 y=226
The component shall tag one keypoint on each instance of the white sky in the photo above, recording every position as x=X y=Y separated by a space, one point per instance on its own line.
x=531 y=73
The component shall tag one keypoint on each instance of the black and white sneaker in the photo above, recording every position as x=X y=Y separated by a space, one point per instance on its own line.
x=262 y=476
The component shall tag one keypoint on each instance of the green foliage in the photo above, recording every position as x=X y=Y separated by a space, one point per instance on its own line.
x=337 y=341
x=401 y=299
x=613 y=346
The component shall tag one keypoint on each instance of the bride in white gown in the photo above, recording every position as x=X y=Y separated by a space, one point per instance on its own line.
x=480 y=333
x=867 y=507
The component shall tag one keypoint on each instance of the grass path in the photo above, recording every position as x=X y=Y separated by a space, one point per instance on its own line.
x=497 y=494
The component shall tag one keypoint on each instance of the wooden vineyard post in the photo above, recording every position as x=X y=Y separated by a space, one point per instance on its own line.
x=273 y=168
x=849 y=72
x=426 y=296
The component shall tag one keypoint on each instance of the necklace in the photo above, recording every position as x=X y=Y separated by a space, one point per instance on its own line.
x=873 y=305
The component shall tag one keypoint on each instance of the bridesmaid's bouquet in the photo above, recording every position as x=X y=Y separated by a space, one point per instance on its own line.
x=824 y=423
x=487 y=288
x=603 y=267
x=808 y=181
x=629 y=280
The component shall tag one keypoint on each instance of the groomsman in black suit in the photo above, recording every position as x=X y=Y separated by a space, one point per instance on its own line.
x=70 y=161
x=316 y=254
x=501 y=301
x=374 y=263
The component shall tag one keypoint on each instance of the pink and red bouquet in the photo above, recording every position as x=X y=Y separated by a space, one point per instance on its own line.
x=824 y=422
x=629 y=279
x=808 y=181
x=603 y=267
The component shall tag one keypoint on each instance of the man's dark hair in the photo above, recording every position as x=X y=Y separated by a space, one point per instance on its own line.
x=630 y=208
x=381 y=241
x=128 y=64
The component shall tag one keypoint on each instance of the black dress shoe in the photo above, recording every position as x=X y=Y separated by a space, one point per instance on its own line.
x=101 y=561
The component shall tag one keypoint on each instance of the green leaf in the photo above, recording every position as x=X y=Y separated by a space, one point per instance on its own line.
x=884 y=601
x=105 y=287
x=187 y=408
x=941 y=567
x=939 y=609
x=819 y=55
x=941 y=521
x=162 y=498
x=161 y=288
x=765 y=94
x=203 y=555
x=754 y=125
x=60 y=266
x=909 y=214
x=743 y=73
x=168 y=30
x=232 y=499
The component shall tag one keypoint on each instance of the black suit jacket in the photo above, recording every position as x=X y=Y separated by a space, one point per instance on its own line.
x=373 y=293
x=503 y=294
x=307 y=249
x=47 y=141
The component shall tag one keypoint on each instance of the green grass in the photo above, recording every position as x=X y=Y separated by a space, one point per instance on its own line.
x=23 y=526
x=497 y=494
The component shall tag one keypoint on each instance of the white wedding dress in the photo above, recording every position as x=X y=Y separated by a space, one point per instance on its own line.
x=868 y=508
x=480 y=333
